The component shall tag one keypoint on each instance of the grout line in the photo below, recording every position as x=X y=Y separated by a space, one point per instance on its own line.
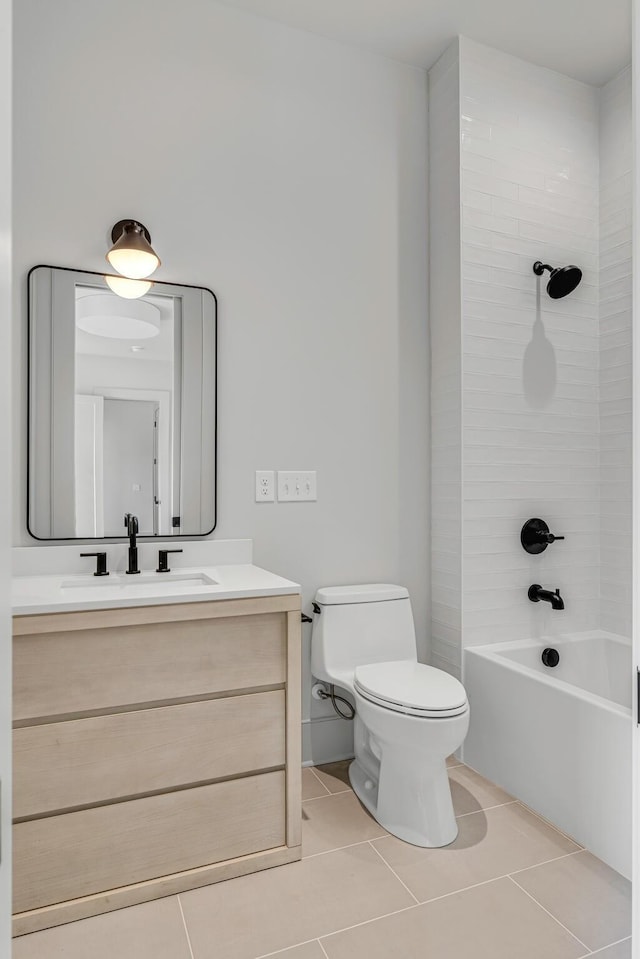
x=281 y=952
x=328 y=791
x=604 y=948
x=475 y=885
x=326 y=852
x=186 y=931
x=499 y=805
x=341 y=793
x=313 y=798
x=550 y=914
x=566 y=855
x=414 y=897
x=552 y=826
x=296 y=945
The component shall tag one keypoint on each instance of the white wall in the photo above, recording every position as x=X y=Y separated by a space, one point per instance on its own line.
x=287 y=173
x=616 y=170
x=120 y=373
x=6 y=307
x=543 y=166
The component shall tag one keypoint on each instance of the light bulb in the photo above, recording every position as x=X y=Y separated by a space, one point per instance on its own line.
x=129 y=289
x=135 y=264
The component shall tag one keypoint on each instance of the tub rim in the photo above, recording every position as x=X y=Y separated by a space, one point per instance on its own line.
x=492 y=652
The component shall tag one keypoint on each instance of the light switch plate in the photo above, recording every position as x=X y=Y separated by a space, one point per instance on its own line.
x=297 y=486
x=265 y=487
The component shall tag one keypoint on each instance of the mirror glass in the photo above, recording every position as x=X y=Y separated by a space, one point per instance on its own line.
x=122 y=407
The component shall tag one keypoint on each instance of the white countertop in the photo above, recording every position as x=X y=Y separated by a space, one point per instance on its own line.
x=62 y=593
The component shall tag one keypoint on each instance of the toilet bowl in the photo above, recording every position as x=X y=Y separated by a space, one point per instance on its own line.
x=409 y=717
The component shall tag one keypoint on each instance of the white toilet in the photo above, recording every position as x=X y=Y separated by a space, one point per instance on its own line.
x=409 y=717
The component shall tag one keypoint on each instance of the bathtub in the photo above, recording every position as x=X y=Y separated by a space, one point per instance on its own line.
x=559 y=739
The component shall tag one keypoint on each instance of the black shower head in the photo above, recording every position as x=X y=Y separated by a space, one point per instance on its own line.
x=562 y=281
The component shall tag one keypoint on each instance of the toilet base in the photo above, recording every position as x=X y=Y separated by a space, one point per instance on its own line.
x=402 y=783
x=436 y=824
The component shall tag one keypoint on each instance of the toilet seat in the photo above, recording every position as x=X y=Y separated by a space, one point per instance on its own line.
x=406 y=686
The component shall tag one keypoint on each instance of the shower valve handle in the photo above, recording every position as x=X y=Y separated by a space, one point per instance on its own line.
x=549 y=537
x=535 y=536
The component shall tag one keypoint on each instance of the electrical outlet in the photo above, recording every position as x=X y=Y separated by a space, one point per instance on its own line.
x=297 y=486
x=265 y=486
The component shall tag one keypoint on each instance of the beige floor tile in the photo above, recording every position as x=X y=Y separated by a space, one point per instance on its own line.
x=622 y=950
x=470 y=791
x=452 y=761
x=278 y=908
x=490 y=844
x=494 y=921
x=335 y=821
x=589 y=898
x=335 y=776
x=310 y=950
x=153 y=930
x=311 y=785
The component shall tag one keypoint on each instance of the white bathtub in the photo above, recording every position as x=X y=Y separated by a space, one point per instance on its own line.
x=559 y=739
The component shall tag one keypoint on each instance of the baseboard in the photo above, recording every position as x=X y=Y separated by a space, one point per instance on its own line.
x=327 y=739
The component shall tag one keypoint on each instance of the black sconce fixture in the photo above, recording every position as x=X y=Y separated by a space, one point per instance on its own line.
x=132 y=254
x=133 y=257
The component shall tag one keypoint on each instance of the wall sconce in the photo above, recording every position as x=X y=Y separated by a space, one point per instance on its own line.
x=132 y=254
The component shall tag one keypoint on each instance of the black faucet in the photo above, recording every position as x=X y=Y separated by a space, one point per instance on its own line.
x=163 y=559
x=537 y=593
x=101 y=565
x=131 y=525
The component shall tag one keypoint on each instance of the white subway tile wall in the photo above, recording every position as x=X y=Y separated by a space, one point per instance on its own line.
x=446 y=382
x=615 y=354
x=543 y=172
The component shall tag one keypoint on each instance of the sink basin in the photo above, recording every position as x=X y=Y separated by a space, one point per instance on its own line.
x=162 y=579
x=150 y=582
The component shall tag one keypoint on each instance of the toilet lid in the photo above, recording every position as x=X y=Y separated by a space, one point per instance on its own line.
x=407 y=685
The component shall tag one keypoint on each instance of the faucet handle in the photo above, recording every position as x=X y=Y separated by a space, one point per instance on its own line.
x=163 y=562
x=101 y=565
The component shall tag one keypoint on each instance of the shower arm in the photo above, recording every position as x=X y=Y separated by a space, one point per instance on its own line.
x=539 y=267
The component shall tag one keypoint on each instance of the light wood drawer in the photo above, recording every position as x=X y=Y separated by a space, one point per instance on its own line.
x=87 y=670
x=80 y=853
x=85 y=761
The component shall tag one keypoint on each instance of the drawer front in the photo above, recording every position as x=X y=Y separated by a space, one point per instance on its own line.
x=81 y=762
x=58 y=674
x=80 y=853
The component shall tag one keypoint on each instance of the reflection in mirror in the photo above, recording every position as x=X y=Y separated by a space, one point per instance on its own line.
x=122 y=408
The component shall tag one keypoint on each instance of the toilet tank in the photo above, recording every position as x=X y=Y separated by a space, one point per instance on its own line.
x=360 y=624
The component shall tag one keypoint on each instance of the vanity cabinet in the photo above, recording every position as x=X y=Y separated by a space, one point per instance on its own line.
x=156 y=749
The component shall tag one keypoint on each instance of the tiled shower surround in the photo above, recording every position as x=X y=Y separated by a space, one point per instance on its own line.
x=530 y=396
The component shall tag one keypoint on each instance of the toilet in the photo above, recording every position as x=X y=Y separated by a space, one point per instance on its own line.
x=409 y=717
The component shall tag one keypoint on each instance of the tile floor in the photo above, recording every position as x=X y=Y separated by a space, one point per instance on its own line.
x=510 y=887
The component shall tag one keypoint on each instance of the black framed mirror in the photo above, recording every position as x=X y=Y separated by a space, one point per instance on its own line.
x=122 y=407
